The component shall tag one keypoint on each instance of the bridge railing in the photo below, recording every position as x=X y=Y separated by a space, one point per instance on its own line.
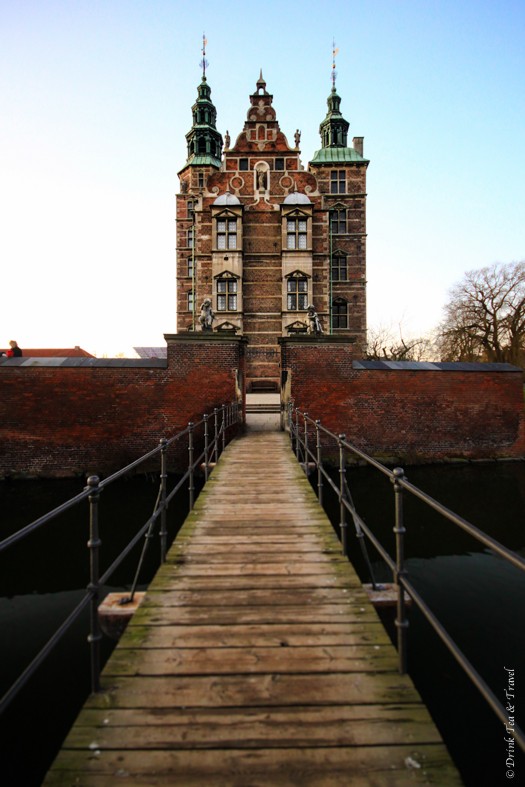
x=205 y=439
x=309 y=439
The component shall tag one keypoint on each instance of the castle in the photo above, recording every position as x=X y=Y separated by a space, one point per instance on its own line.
x=271 y=247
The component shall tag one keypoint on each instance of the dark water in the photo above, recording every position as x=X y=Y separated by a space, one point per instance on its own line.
x=41 y=581
x=478 y=597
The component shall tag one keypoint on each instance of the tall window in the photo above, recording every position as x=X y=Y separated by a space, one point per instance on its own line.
x=279 y=163
x=191 y=301
x=191 y=208
x=243 y=164
x=190 y=238
x=201 y=180
x=338 y=221
x=226 y=295
x=339 y=267
x=339 y=313
x=297 y=294
x=190 y=266
x=296 y=233
x=337 y=181
x=226 y=234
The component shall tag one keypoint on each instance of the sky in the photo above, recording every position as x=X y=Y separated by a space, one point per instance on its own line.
x=95 y=102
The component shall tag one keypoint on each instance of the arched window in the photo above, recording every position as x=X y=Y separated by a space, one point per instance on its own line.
x=339 y=313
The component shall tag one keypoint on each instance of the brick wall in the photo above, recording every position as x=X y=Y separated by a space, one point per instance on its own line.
x=412 y=413
x=61 y=417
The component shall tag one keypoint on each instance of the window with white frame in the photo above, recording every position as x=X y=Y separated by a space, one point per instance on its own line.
x=227 y=295
x=191 y=301
x=297 y=293
x=189 y=239
x=296 y=233
x=190 y=267
x=226 y=233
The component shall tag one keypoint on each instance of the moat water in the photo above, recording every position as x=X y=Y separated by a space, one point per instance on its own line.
x=477 y=596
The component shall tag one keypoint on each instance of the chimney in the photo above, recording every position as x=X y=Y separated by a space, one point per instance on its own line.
x=358 y=145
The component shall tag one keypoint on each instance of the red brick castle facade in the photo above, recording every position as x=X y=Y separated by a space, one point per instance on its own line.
x=264 y=238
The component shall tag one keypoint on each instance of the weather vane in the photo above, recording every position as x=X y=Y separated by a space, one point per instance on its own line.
x=204 y=63
x=334 y=72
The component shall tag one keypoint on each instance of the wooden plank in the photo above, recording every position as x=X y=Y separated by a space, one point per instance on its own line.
x=385 y=766
x=348 y=725
x=254 y=635
x=253 y=660
x=252 y=690
x=256 y=657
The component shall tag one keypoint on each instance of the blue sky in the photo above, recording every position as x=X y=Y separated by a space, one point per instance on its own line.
x=96 y=100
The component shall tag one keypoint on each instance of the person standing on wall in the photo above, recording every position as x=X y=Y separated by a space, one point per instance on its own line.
x=14 y=350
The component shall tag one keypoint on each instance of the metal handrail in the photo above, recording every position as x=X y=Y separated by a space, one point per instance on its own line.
x=300 y=445
x=225 y=417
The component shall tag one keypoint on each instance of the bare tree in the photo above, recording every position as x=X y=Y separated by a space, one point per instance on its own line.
x=384 y=344
x=485 y=316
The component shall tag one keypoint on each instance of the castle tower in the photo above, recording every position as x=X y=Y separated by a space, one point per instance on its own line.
x=264 y=238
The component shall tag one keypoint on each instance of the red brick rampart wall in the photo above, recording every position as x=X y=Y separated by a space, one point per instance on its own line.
x=409 y=412
x=61 y=417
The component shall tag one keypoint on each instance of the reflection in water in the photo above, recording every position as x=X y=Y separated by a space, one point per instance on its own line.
x=477 y=596
x=41 y=581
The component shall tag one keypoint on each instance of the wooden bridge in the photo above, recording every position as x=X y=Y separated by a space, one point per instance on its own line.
x=256 y=659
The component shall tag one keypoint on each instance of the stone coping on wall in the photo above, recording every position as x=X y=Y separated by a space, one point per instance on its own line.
x=428 y=366
x=205 y=336
x=115 y=363
x=311 y=338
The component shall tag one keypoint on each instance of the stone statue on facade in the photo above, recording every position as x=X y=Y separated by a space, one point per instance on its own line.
x=206 y=316
x=314 y=323
x=297 y=137
x=261 y=179
x=227 y=140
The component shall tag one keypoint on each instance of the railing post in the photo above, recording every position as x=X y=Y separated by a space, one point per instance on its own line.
x=297 y=441
x=305 y=416
x=94 y=585
x=223 y=427
x=191 y=487
x=206 y=460
x=399 y=530
x=163 y=514
x=319 y=470
x=342 y=508
x=216 y=434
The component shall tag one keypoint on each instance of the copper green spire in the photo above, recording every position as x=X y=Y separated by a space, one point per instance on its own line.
x=204 y=141
x=334 y=130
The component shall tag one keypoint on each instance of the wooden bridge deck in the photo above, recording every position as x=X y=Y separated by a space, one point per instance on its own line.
x=256 y=659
